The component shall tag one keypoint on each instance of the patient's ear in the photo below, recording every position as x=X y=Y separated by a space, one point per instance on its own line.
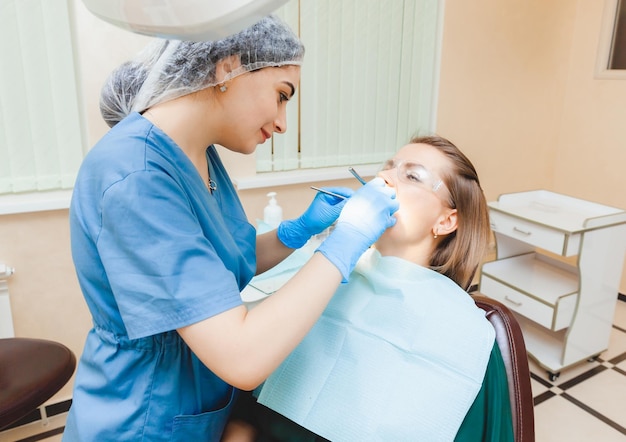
x=225 y=66
x=447 y=222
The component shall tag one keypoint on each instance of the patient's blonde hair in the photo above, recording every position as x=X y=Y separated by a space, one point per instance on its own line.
x=459 y=254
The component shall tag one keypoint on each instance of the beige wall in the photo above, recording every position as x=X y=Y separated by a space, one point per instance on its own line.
x=502 y=87
x=45 y=299
x=591 y=148
x=517 y=93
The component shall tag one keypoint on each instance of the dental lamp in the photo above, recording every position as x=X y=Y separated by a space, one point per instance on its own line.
x=196 y=20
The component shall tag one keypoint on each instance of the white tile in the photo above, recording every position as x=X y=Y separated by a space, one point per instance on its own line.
x=622 y=365
x=605 y=393
x=558 y=420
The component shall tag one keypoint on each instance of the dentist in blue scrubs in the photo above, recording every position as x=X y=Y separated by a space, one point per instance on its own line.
x=162 y=246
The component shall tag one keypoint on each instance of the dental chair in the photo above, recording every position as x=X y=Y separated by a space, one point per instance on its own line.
x=511 y=343
x=31 y=372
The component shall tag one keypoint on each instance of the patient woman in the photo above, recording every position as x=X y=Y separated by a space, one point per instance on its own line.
x=401 y=353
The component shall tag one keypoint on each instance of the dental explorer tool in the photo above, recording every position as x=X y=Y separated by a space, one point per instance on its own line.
x=356 y=175
x=328 y=192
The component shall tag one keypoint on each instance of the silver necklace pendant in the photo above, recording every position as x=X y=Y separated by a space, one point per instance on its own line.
x=212 y=185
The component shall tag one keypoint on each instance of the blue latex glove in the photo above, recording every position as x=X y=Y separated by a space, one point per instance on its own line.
x=322 y=212
x=366 y=215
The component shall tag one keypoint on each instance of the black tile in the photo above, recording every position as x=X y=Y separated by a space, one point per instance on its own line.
x=33 y=416
x=617 y=359
x=58 y=408
x=541 y=380
x=42 y=436
x=582 y=377
x=543 y=397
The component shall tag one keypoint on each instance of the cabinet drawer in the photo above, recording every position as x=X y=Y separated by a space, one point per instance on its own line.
x=538 y=235
x=554 y=317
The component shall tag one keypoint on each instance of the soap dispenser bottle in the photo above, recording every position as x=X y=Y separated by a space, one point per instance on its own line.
x=273 y=213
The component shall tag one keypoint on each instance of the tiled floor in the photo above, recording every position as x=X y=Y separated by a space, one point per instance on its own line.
x=586 y=402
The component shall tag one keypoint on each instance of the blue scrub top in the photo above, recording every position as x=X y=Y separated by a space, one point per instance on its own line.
x=154 y=251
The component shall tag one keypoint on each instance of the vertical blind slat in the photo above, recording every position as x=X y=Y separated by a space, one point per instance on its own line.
x=348 y=37
x=282 y=152
x=366 y=91
x=310 y=117
x=406 y=99
x=335 y=71
x=8 y=95
x=38 y=94
x=66 y=109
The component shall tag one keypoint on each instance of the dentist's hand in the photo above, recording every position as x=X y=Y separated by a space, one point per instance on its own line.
x=322 y=212
x=366 y=215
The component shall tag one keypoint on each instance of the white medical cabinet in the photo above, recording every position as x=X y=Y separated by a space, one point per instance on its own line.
x=558 y=266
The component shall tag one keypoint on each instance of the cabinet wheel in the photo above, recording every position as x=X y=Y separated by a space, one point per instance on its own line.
x=553 y=376
x=593 y=358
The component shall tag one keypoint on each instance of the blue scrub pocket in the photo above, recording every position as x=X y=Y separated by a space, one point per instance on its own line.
x=204 y=426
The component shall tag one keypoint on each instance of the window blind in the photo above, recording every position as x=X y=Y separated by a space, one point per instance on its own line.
x=40 y=123
x=368 y=82
x=283 y=151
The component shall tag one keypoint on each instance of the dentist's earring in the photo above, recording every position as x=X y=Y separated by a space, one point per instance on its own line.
x=435 y=235
x=223 y=88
